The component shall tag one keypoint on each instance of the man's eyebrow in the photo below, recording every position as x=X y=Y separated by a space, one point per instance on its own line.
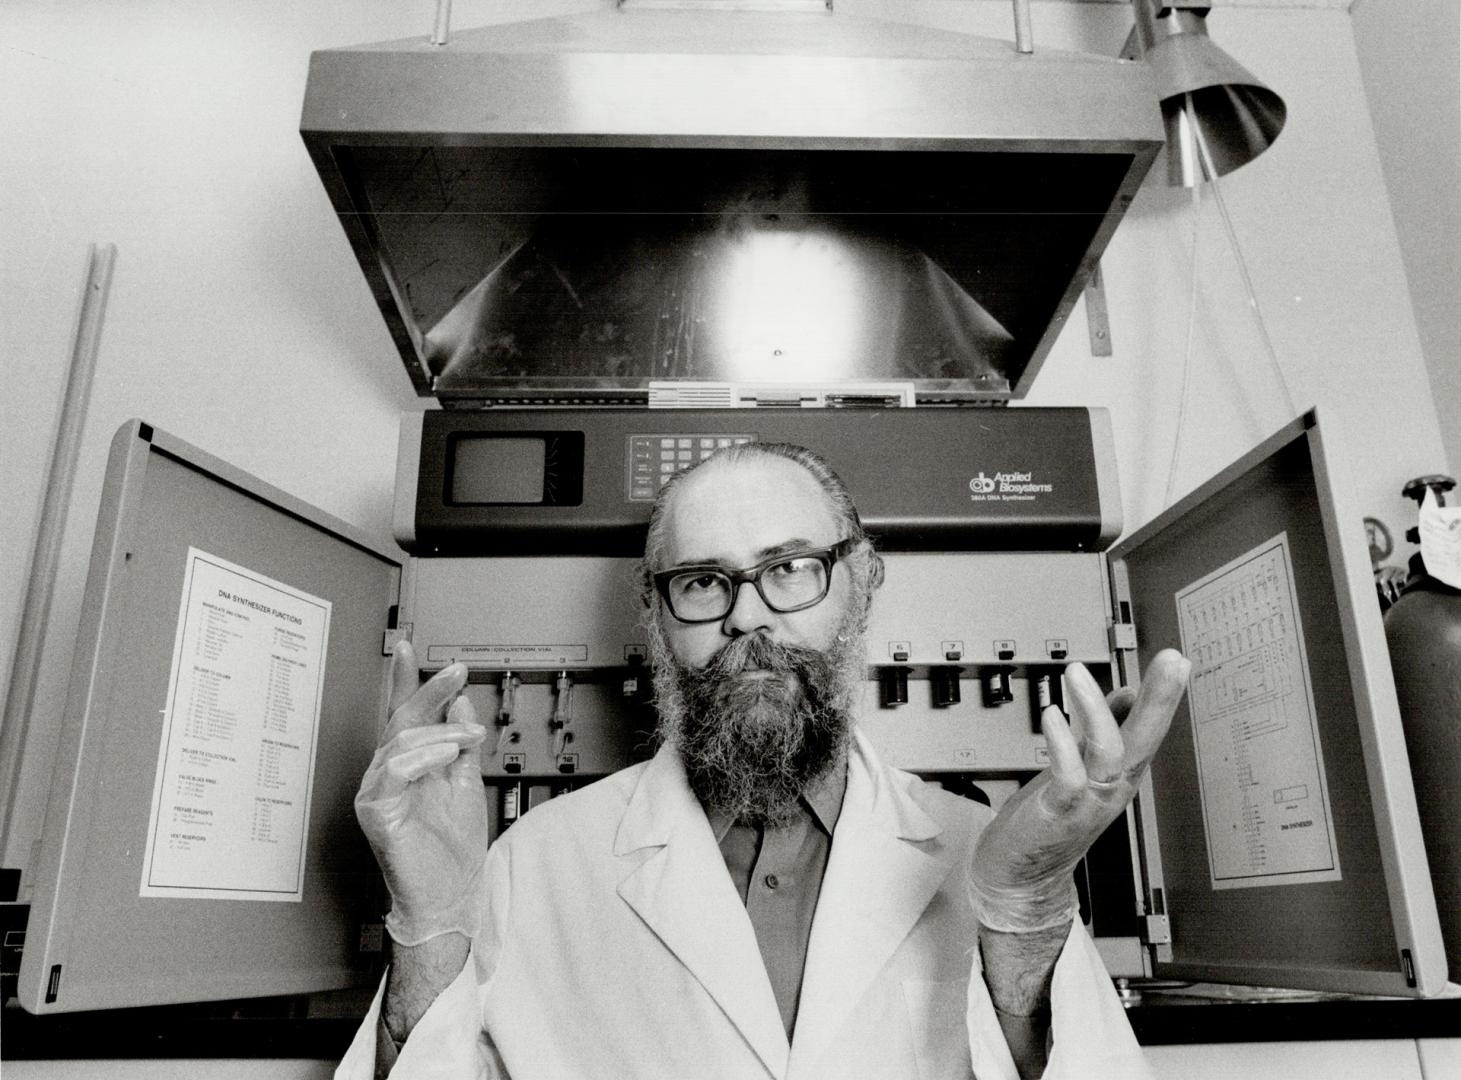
x=785 y=547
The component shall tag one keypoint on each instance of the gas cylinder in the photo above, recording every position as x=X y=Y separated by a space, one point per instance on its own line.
x=1423 y=630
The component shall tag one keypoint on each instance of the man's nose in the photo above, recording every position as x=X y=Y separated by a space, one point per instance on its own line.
x=748 y=613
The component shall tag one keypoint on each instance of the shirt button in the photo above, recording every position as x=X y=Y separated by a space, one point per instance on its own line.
x=772 y=881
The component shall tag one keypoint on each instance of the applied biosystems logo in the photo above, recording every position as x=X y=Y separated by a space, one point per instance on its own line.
x=1007 y=487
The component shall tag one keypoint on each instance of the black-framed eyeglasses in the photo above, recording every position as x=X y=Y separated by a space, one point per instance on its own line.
x=706 y=592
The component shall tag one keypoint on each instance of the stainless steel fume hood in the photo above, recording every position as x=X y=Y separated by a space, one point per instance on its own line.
x=564 y=210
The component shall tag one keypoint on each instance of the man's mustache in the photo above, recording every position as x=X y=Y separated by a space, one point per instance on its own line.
x=757 y=652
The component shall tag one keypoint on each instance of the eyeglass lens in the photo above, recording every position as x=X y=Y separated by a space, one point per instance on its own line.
x=707 y=594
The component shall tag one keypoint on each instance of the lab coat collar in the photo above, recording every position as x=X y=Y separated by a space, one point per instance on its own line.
x=885 y=866
x=684 y=894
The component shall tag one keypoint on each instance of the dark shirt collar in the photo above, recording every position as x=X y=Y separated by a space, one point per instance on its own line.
x=822 y=797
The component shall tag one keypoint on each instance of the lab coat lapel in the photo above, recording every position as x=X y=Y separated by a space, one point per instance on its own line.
x=880 y=876
x=684 y=894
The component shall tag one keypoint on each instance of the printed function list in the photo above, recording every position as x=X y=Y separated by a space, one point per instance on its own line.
x=235 y=768
x=1265 y=802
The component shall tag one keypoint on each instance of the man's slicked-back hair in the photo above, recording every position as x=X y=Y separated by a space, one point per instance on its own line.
x=839 y=501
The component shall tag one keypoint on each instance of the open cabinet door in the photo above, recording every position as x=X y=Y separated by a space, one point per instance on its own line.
x=199 y=842
x=1280 y=833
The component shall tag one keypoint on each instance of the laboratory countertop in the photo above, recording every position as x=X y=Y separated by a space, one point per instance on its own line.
x=284 y=1029
x=1215 y=1014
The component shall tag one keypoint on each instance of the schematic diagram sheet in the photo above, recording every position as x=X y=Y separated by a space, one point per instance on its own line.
x=1265 y=802
x=235 y=768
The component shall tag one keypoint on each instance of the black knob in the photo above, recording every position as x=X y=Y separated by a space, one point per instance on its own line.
x=997 y=686
x=1416 y=489
x=1046 y=689
x=1049 y=690
x=945 y=682
x=893 y=684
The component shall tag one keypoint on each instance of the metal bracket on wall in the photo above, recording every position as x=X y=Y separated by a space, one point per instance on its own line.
x=1098 y=319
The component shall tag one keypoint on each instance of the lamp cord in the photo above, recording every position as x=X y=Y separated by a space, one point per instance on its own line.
x=1211 y=173
x=1187 y=352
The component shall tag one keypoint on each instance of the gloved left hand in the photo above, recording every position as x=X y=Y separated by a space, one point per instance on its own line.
x=422 y=806
x=1020 y=876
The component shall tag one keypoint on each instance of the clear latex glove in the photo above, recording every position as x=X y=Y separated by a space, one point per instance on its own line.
x=422 y=805
x=1020 y=876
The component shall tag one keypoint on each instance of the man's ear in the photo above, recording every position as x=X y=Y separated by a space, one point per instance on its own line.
x=874 y=567
x=645 y=578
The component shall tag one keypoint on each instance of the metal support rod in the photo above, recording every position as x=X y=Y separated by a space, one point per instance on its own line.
x=1024 y=36
x=1098 y=318
x=25 y=670
x=441 y=31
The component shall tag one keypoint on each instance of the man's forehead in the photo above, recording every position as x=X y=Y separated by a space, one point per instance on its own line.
x=736 y=508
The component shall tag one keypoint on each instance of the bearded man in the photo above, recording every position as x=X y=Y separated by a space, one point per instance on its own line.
x=764 y=897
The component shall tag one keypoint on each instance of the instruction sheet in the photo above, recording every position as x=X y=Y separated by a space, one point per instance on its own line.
x=1265 y=802
x=235 y=768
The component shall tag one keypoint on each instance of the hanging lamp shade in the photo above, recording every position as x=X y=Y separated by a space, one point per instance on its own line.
x=1204 y=93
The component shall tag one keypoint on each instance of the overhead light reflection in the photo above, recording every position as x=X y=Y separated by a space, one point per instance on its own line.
x=789 y=305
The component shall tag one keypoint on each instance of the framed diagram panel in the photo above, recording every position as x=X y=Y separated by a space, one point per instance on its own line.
x=1282 y=840
x=199 y=841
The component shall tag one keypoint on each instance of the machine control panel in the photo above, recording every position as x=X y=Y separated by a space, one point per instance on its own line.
x=653 y=459
x=558 y=481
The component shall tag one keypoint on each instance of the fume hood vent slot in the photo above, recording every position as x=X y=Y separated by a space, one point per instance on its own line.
x=844 y=395
x=692 y=396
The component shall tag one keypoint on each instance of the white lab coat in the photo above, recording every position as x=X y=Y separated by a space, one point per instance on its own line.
x=614 y=945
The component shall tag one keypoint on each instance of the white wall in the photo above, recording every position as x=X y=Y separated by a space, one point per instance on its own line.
x=1410 y=56
x=1313 y=221
x=239 y=321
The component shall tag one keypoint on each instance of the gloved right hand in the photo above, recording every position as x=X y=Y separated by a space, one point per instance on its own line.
x=422 y=805
x=1020 y=877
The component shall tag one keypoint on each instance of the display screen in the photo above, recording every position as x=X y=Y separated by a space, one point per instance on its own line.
x=498 y=470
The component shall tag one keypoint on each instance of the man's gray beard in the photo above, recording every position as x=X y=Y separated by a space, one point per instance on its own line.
x=751 y=745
